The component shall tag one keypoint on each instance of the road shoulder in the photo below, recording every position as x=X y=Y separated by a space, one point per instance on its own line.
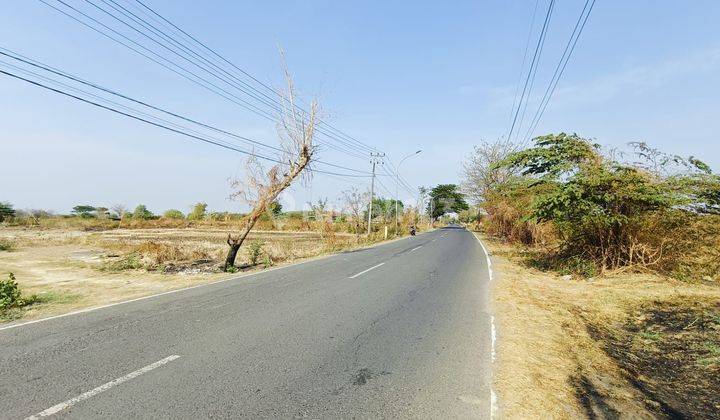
x=566 y=348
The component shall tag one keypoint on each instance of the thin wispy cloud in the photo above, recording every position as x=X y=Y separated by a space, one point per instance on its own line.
x=637 y=79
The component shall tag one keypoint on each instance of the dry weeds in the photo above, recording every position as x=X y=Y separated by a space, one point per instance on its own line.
x=79 y=268
x=580 y=348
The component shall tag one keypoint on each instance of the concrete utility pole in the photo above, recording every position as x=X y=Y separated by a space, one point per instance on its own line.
x=375 y=158
x=397 y=190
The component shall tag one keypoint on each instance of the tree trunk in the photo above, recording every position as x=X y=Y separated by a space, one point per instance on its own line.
x=267 y=197
x=232 y=253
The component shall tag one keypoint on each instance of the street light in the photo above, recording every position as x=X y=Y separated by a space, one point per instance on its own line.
x=397 y=189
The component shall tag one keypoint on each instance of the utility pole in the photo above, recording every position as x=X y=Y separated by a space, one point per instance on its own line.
x=397 y=189
x=374 y=159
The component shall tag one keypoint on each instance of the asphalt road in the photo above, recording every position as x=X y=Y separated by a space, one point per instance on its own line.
x=400 y=330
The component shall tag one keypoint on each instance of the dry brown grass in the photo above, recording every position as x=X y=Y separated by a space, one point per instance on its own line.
x=78 y=267
x=573 y=348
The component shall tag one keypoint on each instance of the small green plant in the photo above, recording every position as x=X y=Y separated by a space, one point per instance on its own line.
x=579 y=266
x=128 y=262
x=650 y=335
x=6 y=245
x=267 y=261
x=713 y=348
x=231 y=269
x=254 y=251
x=9 y=293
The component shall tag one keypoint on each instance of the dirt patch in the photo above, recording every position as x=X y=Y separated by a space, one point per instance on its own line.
x=621 y=346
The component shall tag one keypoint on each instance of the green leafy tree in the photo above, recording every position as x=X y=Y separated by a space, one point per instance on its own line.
x=599 y=207
x=141 y=212
x=84 y=211
x=6 y=211
x=198 y=212
x=446 y=198
x=173 y=214
x=384 y=208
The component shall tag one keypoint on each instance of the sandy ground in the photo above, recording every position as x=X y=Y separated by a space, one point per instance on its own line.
x=556 y=337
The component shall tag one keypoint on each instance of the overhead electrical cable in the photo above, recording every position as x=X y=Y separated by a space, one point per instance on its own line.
x=178 y=69
x=165 y=126
x=235 y=82
x=533 y=65
x=524 y=59
x=37 y=64
x=560 y=68
x=215 y=53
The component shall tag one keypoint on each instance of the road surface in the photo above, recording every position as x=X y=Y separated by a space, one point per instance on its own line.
x=400 y=330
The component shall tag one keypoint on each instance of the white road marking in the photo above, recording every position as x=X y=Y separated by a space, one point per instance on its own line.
x=417 y=247
x=493 y=396
x=365 y=271
x=102 y=388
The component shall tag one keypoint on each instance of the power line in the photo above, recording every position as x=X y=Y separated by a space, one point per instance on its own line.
x=159 y=125
x=560 y=68
x=371 y=148
x=178 y=69
x=522 y=66
x=273 y=104
x=177 y=47
x=37 y=64
x=533 y=64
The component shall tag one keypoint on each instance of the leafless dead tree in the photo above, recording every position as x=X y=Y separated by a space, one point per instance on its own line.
x=480 y=175
x=355 y=203
x=296 y=130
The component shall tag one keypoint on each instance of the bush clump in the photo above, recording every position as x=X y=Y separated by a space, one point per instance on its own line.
x=10 y=295
x=595 y=213
x=254 y=250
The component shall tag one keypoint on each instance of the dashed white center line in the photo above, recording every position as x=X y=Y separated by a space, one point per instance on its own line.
x=417 y=247
x=365 y=271
x=102 y=388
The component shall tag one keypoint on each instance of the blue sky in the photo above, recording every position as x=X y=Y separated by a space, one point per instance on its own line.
x=401 y=76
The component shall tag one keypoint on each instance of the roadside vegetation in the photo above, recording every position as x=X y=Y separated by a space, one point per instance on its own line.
x=610 y=264
x=97 y=255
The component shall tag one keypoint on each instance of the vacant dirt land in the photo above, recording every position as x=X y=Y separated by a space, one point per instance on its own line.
x=621 y=346
x=72 y=268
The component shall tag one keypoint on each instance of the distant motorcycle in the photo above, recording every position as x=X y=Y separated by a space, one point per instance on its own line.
x=412 y=231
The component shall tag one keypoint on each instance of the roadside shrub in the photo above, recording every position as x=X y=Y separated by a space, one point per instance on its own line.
x=173 y=214
x=9 y=293
x=267 y=261
x=607 y=214
x=254 y=251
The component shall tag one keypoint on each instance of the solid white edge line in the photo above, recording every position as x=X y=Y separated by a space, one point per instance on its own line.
x=365 y=271
x=493 y=335
x=102 y=388
x=94 y=308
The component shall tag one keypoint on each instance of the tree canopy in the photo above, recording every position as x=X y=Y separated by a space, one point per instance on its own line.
x=446 y=198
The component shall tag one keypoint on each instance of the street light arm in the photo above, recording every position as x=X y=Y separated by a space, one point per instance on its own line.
x=397 y=189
